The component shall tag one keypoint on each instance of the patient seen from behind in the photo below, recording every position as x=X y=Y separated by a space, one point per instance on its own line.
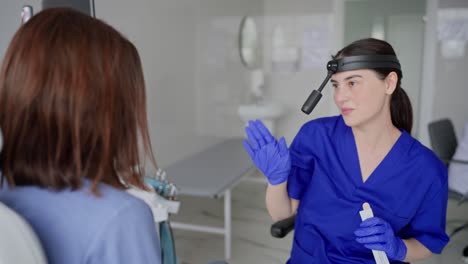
x=73 y=115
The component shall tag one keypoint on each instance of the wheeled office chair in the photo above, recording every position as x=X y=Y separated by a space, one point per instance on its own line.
x=18 y=242
x=444 y=144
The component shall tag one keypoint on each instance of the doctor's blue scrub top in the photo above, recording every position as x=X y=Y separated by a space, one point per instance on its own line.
x=408 y=189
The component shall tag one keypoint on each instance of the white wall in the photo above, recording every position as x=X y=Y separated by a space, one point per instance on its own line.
x=366 y=11
x=189 y=52
x=451 y=84
x=10 y=20
x=193 y=72
x=222 y=81
x=194 y=76
x=450 y=91
x=400 y=22
x=293 y=88
x=166 y=41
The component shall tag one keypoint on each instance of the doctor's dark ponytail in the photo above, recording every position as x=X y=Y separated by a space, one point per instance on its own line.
x=400 y=105
x=400 y=109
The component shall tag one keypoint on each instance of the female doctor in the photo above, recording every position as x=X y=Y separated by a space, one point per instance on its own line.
x=366 y=154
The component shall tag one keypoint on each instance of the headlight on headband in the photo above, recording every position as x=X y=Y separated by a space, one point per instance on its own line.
x=348 y=64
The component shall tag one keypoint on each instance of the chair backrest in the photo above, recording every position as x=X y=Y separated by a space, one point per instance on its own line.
x=443 y=139
x=18 y=242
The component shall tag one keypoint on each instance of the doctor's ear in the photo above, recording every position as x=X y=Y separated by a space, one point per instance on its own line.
x=391 y=82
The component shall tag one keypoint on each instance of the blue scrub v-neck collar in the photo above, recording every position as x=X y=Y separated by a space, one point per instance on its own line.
x=391 y=159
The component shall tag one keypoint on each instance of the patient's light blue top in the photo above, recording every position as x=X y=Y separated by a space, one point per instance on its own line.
x=408 y=189
x=78 y=227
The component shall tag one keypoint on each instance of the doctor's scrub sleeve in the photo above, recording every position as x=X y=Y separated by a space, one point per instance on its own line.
x=302 y=162
x=428 y=224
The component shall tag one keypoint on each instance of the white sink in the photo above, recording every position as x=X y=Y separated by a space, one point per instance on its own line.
x=267 y=112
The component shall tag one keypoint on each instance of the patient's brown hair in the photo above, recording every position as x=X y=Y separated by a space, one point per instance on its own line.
x=72 y=104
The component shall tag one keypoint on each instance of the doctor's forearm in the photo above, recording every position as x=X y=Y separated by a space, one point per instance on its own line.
x=415 y=250
x=278 y=202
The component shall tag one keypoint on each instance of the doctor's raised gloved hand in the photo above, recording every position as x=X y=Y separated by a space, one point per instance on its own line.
x=269 y=155
x=377 y=234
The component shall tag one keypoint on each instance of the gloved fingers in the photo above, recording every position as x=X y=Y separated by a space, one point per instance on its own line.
x=264 y=131
x=268 y=152
x=266 y=159
x=252 y=139
x=373 y=221
x=248 y=148
x=376 y=246
x=372 y=239
x=283 y=165
x=256 y=133
x=283 y=147
x=370 y=231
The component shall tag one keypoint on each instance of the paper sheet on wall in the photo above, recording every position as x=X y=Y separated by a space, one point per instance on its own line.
x=301 y=42
x=316 y=42
x=452 y=24
x=452 y=31
x=451 y=49
x=315 y=48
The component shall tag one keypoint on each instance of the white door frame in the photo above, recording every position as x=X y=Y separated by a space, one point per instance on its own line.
x=428 y=71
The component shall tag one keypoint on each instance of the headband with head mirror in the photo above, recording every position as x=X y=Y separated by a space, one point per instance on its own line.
x=348 y=64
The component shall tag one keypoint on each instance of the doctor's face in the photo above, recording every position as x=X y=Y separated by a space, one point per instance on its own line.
x=361 y=96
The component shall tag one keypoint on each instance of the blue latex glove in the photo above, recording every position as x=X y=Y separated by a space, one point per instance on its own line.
x=269 y=155
x=377 y=234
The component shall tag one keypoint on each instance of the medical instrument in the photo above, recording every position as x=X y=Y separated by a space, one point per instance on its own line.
x=166 y=238
x=162 y=186
x=26 y=13
x=379 y=256
x=161 y=208
x=269 y=155
x=347 y=64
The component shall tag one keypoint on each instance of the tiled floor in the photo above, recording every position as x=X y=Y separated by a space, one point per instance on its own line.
x=252 y=243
